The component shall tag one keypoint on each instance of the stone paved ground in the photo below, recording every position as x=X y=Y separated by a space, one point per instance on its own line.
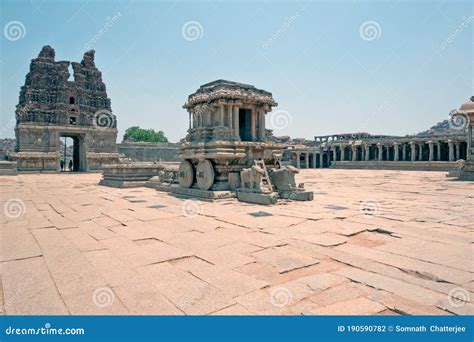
x=372 y=242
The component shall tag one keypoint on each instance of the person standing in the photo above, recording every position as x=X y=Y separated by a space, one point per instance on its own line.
x=70 y=165
x=61 y=163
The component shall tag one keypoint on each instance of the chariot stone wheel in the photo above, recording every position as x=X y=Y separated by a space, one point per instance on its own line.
x=186 y=174
x=205 y=174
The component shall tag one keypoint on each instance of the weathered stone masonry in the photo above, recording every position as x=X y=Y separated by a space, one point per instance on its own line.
x=363 y=149
x=52 y=106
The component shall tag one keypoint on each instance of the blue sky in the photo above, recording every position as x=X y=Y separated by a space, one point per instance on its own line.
x=404 y=73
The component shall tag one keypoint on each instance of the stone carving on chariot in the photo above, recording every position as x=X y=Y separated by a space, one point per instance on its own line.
x=226 y=152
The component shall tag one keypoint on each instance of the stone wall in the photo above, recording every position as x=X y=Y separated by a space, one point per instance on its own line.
x=144 y=151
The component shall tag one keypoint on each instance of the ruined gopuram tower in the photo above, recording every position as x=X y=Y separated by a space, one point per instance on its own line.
x=52 y=106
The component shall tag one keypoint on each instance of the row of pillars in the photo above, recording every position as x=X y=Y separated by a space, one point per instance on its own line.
x=415 y=155
x=227 y=115
x=416 y=149
x=316 y=156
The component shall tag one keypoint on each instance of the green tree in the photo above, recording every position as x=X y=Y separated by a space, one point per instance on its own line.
x=136 y=133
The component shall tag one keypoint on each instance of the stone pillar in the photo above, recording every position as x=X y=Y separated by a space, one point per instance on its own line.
x=367 y=152
x=404 y=151
x=257 y=128
x=306 y=158
x=420 y=156
x=438 y=151
x=451 y=150
x=298 y=165
x=380 y=147
x=470 y=140
x=321 y=159
x=396 y=152
x=334 y=153
x=430 y=145
x=314 y=160
x=262 y=125
x=221 y=114
x=343 y=154
x=253 y=121
x=235 y=116
x=458 y=154
x=199 y=121
x=354 y=153
x=209 y=118
x=413 y=151
x=257 y=125
x=230 y=112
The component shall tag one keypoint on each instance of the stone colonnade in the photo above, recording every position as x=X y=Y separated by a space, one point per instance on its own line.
x=311 y=159
x=447 y=150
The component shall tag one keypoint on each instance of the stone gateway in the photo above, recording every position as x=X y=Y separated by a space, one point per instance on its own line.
x=52 y=106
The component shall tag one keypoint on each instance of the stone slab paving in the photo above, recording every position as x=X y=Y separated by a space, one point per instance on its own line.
x=371 y=242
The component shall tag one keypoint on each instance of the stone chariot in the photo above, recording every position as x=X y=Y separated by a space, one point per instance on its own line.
x=226 y=153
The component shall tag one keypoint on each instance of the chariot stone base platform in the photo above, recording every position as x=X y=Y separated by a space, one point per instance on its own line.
x=241 y=195
x=163 y=187
x=129 y=175
x=257 y=198
x=297 y=195
x=178 y=191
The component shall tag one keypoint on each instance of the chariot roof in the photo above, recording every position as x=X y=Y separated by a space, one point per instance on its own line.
x=228 y=90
